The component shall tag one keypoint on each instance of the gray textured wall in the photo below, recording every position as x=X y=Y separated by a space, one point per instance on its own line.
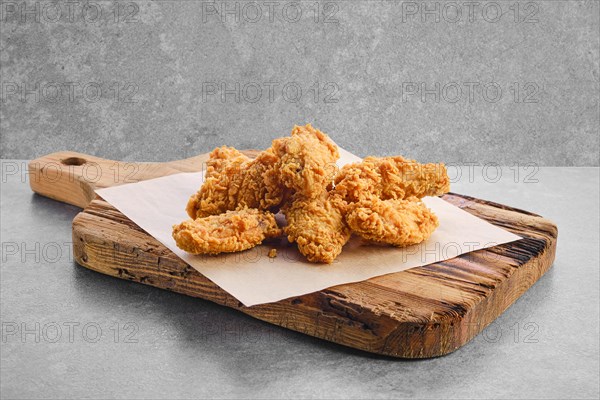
x=499 y=82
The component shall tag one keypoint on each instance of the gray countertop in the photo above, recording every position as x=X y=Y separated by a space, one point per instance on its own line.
x=70 y=332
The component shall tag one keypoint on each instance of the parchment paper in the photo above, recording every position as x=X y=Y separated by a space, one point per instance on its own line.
x=253 y=278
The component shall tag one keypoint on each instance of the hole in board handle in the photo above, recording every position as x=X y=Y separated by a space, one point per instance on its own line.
x=73 y=161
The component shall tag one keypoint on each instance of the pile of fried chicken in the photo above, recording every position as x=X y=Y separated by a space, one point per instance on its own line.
x=378 y=199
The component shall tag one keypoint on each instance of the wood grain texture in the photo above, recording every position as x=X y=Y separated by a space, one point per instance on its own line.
x=423 y=312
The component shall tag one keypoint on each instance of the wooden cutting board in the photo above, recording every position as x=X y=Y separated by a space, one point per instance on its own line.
x=422 y=312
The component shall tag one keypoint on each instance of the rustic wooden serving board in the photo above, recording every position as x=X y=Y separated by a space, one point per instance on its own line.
x=422 y=312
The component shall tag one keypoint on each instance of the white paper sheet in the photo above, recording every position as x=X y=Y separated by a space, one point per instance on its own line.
x=254 y=278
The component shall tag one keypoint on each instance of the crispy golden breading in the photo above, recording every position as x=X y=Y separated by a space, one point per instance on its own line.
x=378 y=199
x=307 y=167
x=391 y=178
x=303 y=162
x=222 y=170
x=306 y=161
x=235 y=181
x=225 y=233
x=317 y=226
x=395 y=222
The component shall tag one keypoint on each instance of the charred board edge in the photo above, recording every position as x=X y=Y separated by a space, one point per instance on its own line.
x=106 y=241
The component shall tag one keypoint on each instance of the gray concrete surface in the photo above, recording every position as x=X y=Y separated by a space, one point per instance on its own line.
x=160 y=80
x=101 y=337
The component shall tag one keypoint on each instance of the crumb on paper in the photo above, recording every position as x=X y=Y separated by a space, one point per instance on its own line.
x=272 y=253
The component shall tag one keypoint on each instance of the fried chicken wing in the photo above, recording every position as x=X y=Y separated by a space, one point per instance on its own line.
x=306 y=161
x=317 y=226
x=307 y=167
x=303 y=162
x=396 y=222
x=391 y=178
x=225 y=233
x=234 y=181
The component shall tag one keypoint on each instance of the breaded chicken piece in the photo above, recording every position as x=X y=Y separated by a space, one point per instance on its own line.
x=235 y=181
x=307 y=167
x=303 y=162
x=317 y=226
x=225 y=233
x=396 y=222
x=306 y=161
x=391 y=178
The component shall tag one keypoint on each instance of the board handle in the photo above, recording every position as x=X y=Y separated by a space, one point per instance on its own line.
x=72 y=177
